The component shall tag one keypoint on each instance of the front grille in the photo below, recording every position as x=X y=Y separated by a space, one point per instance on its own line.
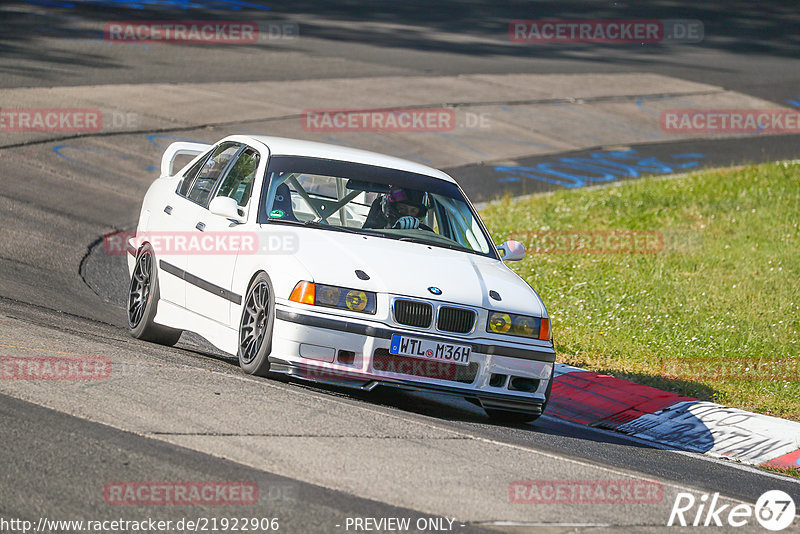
x=413 y=313
x=431 y=369
x=455 y=320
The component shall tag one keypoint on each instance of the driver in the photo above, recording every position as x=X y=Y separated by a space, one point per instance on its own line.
x=399 y=208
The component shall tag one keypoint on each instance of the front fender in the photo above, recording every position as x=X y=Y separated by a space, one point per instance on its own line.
x=285 y=270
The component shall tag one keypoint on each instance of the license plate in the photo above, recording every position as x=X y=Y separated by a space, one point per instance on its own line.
x=429 y=350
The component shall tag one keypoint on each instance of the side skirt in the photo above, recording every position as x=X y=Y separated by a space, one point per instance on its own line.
x=219 y=335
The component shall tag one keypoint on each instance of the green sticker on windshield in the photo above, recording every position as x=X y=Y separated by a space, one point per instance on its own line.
x=278 y=214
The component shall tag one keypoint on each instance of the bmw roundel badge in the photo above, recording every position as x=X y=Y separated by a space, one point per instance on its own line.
x=435 y=290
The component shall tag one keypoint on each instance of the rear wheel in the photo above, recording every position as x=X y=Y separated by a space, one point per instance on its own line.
x=255 y=328
x=143 y=302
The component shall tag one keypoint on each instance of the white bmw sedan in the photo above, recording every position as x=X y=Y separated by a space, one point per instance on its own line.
x=339 y=266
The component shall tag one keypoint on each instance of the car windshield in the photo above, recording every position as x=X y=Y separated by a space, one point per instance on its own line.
x=350 y=197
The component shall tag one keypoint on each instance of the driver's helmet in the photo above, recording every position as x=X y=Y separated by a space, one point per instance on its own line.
x=398 y=203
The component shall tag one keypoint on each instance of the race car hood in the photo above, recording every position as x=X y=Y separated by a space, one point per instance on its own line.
x=406 y=268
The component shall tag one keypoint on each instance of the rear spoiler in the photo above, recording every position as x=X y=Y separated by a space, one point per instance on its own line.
x=181 y=148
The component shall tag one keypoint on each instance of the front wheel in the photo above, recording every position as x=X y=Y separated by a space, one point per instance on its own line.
x=255 y=328
x=143 y=302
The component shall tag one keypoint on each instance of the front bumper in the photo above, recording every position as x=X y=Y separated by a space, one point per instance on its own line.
x=345 y=351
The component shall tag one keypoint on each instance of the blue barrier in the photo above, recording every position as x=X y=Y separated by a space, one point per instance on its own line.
x=568 y=172
x=574 y=172
x=61 y=149
x=216 y=5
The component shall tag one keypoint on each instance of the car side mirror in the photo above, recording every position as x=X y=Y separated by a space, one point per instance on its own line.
x=511 y=251
x=228 y=208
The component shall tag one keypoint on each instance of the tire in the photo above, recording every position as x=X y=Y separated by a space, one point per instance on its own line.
x=143 y=298
x=255 y=326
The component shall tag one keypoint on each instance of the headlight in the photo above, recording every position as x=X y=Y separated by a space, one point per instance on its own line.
x=519 y=325
x=499 y=323
x=334 y=297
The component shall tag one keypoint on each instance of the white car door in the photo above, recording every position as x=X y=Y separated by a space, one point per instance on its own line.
x=210 y=272
x=169 y=219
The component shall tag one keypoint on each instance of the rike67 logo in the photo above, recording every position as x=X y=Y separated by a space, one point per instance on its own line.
x=774 y=510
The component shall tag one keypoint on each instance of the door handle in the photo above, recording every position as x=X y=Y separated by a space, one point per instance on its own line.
x=200 y=226
x=168 y=210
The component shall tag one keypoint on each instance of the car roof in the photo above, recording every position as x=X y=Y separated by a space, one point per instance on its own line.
x=282 y=146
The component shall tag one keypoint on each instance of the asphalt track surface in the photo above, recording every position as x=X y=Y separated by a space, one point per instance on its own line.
x=318 y=455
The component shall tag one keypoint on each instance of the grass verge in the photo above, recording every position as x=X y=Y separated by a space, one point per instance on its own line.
x=704 y=298
x=790 y=471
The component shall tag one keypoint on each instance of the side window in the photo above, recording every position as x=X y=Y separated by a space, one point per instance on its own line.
x=188 y=178
x=238 y=184
x=211 y=171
